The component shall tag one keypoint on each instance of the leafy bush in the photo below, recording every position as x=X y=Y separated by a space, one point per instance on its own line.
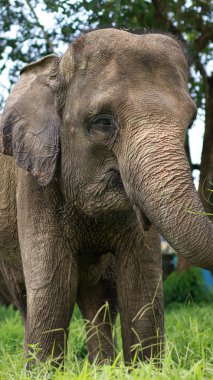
x=186 y=286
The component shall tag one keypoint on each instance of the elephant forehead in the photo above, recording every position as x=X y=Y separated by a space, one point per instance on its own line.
x=104 y=43
x=111 y=62
x=122 y=55
x=115 y=39
x=125 y=71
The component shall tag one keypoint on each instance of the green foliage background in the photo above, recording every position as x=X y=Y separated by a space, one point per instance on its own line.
x=186 y=286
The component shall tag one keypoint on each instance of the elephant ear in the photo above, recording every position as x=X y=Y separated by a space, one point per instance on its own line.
x=29 y=128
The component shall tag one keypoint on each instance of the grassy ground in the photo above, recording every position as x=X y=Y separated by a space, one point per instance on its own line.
x=189 y=350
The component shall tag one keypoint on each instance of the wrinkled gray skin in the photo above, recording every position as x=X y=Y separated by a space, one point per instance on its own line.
x=98 y=138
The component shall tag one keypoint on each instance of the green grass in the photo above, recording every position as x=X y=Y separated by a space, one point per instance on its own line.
x=189 y=350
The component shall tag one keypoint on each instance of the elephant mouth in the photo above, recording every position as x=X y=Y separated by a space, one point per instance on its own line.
x=113 y=178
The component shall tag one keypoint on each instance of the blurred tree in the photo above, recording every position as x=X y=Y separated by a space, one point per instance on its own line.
x=26 y=35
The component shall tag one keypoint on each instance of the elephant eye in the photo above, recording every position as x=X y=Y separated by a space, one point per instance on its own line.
x=102 y=127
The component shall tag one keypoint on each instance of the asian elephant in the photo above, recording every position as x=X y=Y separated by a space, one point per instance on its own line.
x=98 y=171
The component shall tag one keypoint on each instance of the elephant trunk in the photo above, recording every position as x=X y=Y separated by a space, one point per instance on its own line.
x=158 y=181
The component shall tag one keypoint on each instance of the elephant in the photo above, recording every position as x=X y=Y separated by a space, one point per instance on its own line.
x=5 y=296
x=93 y=170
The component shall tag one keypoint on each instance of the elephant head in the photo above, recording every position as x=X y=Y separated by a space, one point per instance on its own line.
x=115 y=108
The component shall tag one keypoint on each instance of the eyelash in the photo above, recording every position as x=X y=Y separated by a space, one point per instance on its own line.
x=102 y=128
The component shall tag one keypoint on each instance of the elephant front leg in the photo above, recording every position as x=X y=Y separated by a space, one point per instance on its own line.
x=50 y=270
x=51 y=294
x=140 y=296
